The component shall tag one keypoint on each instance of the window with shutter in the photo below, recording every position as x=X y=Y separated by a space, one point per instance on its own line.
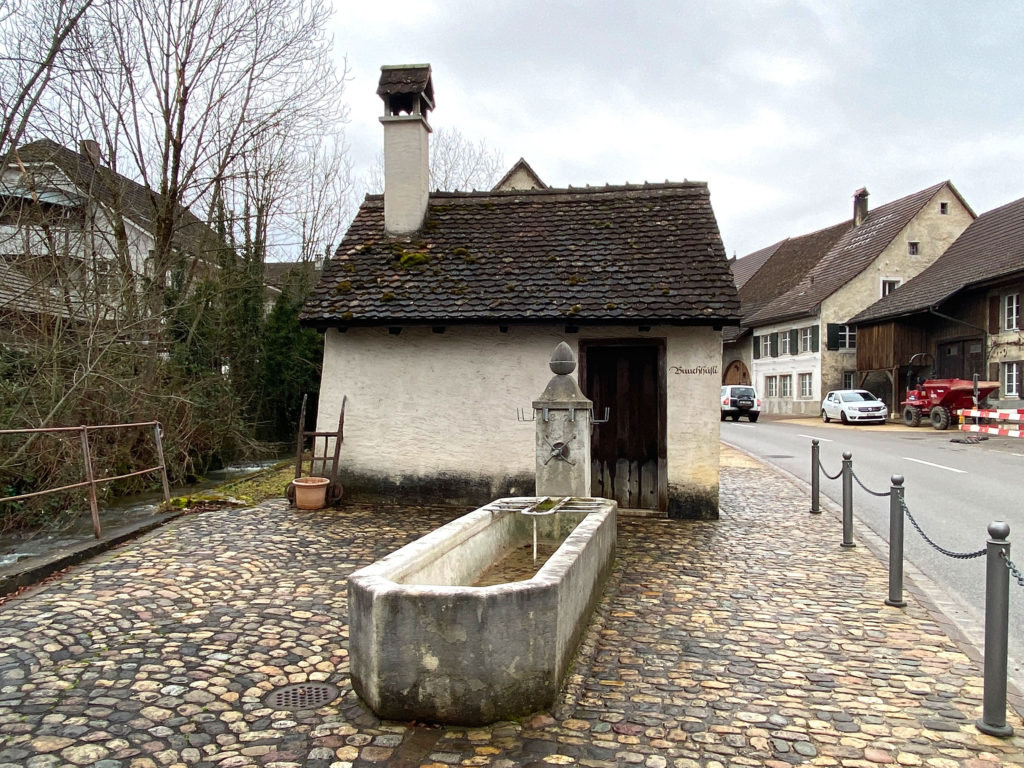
x=832 y=336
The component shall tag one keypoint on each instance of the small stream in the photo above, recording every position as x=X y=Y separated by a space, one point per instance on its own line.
x=123 y=511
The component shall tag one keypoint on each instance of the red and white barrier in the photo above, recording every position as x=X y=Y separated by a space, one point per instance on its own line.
x=1001 y=415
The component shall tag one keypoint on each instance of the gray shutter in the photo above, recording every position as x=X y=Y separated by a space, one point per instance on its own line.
x=815 y=333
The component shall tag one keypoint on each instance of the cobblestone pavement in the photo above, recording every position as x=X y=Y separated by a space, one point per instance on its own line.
x=753 y=640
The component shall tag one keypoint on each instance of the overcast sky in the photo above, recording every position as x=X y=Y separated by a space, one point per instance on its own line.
x=784 y=108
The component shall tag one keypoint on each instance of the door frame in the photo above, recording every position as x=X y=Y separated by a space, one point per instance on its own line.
x=660 y=345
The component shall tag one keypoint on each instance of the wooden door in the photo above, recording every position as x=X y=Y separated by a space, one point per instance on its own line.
x=736 y=373
x=626 y=452
x=951 y=360
x=974 y=359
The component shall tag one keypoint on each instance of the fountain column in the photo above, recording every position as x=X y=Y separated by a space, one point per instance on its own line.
x=563 y=416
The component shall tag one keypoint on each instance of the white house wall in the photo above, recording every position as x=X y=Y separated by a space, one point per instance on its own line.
x=791 y=365
x=438 y=410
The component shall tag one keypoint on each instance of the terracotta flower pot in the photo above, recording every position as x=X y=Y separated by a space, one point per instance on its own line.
x=310 y=492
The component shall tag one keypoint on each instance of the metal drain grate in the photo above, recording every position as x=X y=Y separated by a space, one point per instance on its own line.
x=301 y=696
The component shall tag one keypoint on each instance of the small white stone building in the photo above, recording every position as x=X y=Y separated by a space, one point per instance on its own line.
x=441 y=311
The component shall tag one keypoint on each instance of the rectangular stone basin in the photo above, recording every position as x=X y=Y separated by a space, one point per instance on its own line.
x=424 y=644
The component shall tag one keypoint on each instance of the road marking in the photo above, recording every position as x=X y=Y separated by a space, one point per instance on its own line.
x=819 y=439
x=746 y=426
x=937 y=466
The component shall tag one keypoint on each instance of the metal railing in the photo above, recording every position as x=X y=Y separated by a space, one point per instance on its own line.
x=91 y=481
x=999 y=568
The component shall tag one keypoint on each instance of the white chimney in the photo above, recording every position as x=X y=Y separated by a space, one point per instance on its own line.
x=406 y=89
x=860 y=206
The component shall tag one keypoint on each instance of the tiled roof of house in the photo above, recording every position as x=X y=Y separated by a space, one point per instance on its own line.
x=784 y=266
x=20 y=294
x=745 y=268
x=847 y=258
x=626 y=254
x=98 y=182
x=990 y=248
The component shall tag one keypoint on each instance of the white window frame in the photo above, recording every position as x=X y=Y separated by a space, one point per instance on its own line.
x=806 y=381
x=766 y=345
x=890 y=284
x=1011 y=379
x=847 y=337
x=771 y=386
x=806 y=339
x=786 y=385
x=784 y=343
x=1011 y=312
x=849 y=379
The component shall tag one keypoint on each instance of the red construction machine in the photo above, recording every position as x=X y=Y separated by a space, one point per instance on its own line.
x=938 y=399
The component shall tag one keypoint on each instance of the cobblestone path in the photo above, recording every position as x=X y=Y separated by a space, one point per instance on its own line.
x=754 y=640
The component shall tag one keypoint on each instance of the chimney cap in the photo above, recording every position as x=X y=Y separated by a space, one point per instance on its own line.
x=862 y=192
x=406 y=88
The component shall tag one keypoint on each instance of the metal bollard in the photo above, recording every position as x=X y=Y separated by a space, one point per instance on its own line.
x=997 y=603
x=815 y=479
x=895 y=598
x=847 y=500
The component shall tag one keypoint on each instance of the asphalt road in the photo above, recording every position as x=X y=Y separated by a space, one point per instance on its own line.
x=953 y=490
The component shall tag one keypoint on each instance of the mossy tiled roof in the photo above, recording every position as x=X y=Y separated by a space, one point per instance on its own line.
x=637 y=253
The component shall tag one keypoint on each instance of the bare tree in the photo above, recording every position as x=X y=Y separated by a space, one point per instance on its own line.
x=33 y=38
x=201 y=87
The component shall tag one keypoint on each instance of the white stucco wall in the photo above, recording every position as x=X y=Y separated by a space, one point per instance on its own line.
x=423 y=404
x=792 y=365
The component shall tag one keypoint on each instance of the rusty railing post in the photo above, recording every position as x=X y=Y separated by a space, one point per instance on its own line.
x=815 y=477
x=158 y=436
x=997 y=605
x=87 y=460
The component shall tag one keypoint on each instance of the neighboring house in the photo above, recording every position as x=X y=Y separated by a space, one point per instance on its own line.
x=802 y=342
x=519 y=176
x=963 y=311
x=441 y=312
x=762 y=277
x=71 y=224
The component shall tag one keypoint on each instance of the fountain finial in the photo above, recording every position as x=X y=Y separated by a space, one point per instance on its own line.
x=562 y=360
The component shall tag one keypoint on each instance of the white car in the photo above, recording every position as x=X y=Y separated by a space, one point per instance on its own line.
x=853 y=405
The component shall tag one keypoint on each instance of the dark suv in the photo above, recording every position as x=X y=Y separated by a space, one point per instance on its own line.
x=740 y=400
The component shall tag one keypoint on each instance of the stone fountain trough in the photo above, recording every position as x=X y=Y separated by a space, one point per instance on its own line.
x=426 y=644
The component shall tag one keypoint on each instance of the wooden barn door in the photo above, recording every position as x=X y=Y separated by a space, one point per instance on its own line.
x=628 y=452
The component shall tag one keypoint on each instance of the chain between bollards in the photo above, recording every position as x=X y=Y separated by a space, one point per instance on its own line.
x=847 y=501
x=997 y=607
x=896 y=492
